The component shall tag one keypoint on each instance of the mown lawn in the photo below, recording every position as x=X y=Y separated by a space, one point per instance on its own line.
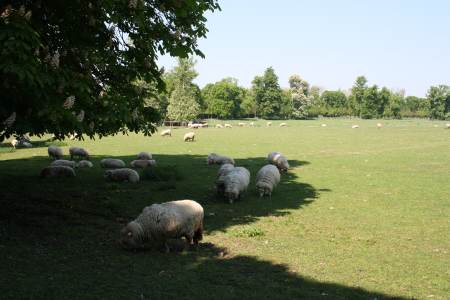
x=362 y=214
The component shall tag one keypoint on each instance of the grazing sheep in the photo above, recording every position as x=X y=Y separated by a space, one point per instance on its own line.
x=228 y=125
x=448 y=125
x=84 y=164
x=14 y=143
x=219 y=126
x=57 y=171
x=252 y=124
x=236 y=183
x=269 y=124
x=217 y=159
x=120 y=175
x=355 y=126
x=224 y=170
x=80 y=152
x=64 y=162
x=279 y=160
x=204 y=125
x=283 y=125
x=241 y=124
x=144 y=156
x=112 y=163
x=55 y=152
x=324 y=125
x=143 y=163
x=160 y=222
x=267 y=179
x=166 y=132
x=189 y=136
x=196 y=126
x=379 y=125
x=74 y=136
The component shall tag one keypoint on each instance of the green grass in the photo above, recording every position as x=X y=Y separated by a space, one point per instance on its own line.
x=362 y=214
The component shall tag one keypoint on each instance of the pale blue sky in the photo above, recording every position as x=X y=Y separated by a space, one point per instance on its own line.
x=398 y=44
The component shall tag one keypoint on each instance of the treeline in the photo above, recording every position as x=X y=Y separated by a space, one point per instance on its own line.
x=183 y=100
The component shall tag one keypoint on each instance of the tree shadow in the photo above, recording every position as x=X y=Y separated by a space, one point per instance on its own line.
x=36 y=144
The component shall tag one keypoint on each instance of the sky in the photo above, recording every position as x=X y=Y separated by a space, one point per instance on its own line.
x=401 y=44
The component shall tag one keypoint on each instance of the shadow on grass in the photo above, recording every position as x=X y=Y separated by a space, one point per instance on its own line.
x=36 y=144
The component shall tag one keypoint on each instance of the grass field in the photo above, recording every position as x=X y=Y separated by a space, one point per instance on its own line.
x=362 y=214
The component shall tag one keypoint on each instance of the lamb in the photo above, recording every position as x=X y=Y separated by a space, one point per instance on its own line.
x=55 y=152
x=166 y=132
x=189 y=136
x=143 y=163
x=283 y=124
x=160 y=222
x=236 y=183
x=219 y=126
x=217 y=159
x=224 y=170
x=63 y=162
x=112 y=163
x=355 y=126
x=144 y=156
x=121 y=175
x=267 y=179
x=84 y=164
x=57 y=171
x=80 y=152
x=279 y=160
x=269 y=124
x=228 y=125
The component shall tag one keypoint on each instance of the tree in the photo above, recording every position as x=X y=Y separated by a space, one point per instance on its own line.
x=248 y=105
x=71 y=66
x=268 y=94
x=439 y=101
x=357 y=94
x=393 y=108
x=385 y=97
x=335 y=99
x=223 y=98
x=415 y=107
x=301 y=100
x=370 y=103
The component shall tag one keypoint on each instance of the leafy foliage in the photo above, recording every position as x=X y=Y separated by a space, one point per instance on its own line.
x=301 y=99
x=223 y=98
x=268 y=94
x=439 y=101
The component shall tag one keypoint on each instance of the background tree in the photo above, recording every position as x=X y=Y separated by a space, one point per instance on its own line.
x=385 y=97
x=413 y=106
x=268 y=94
x=301 y=100
x=393 y=109
x=223 y=98
x=370 y=103
x=248 y=105
x=69 y=66
x=439 y=101
x=357 y=94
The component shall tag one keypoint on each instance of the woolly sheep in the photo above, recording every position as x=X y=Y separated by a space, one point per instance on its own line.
x=189 y=136
x=224 y=170
x=57 y=171
x=14 y=143
x=112 y=163
x=324 y=125
x=448 y=125
x=355 y=126
x=64 y=162
x=267 y=179
x=236 y=183
x=228 y=125
x=144 y=156
x=55 y=152
x=120 y=175
x=219 y=126
x=143 y=163
x=80 y=152
x=166 y=132
x=252 y=124
x=241 y=124
x=160 y=222
x=283 y=125
x=269 y=124
x=84 y=164
x=279 y=160
x=217 y=159
x=379 y=125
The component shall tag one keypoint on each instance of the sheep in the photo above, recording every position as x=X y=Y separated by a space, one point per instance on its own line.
x=355 y=126
x=219 y=126
x=224 y=170
x=144 y=156
x=160 y=222
x=217 y=159
x=120 y=175
x=84 y=164
x=189 y=136
x=228 y=125
x=241 y=124
x=196 y=126
x=283 y=124
x=448 y=125
x=55 y=152
x=279 y=160
x=267 y=179
x=252 y=124
x=25 y=144
x=324 y=125
x=166 y=132
x=379 y=125
x=14 y=143
x=63 y=162
x=269 y=124
x=143 y=163
x=80 y=152
x=57 y=171
x=236 y=183
x=112 y=163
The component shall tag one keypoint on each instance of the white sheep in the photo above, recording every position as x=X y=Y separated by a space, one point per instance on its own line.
x=355 y=126
x=64 y=162
x=267 y=179
x=160 y=222
x=379 y=125
x=57 y=171
x=219 y=126
x=78 y=152
x=236 y=183
x=241 y=124
x=269 y=124
x=143 y=163
x=447 y=125
x=14 y=143
x=283 y=124
x=228 y=125
x=279 y=160
x=217 y=159
x=252 y=124
x=112 y=163
x=189 y=136
x=324 y=125
x=144 y=156
x=120 y=175
x=84 y=164
x=224 y=170
x=166 y=132
x=55 y=152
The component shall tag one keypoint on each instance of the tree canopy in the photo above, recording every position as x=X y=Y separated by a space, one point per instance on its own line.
x=223 y=98
x=267 y=93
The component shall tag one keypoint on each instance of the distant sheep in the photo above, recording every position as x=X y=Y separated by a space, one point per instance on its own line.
x=228 y=125
x=324 y=125
x=241 y=124
x=166 y=132
x=447 y=125
x=269 y=124
x=379 y=125
x=236 y=183
x=55 y=152
x=143 y=163
x=219 y=126
x=283 y=125
x=21 y=143
x=267 y=179
x=63 y=162
x=144 y=155
x=84 y=164
x=160 y=222
x=224 y=170
x=121 y=175
x=189 y=136
x=355 y=126
x=216 y=159
x=57 y=171
x=279 y=160
x=112 y=163
x=252 y=124
x=78 y=152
